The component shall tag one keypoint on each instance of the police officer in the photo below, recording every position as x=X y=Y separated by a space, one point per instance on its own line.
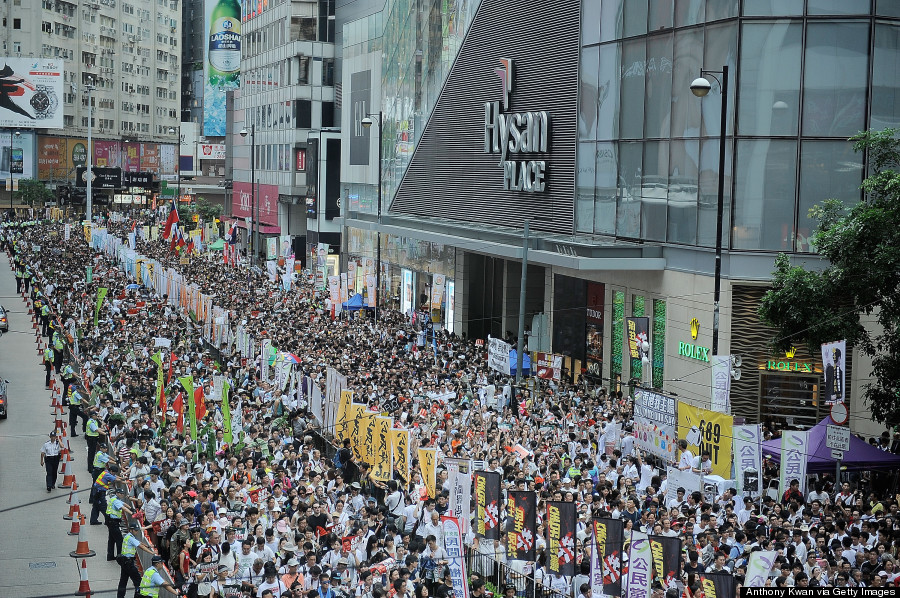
x=45 y=317
x=75 y=400
x=131 y=543
x=50 y=459
x=101 y=458
x=26 y=278
x=151 y=581
x=67 y=375
x=102 y=483
x=58 y=346
x=115 y=509
x=48 y=364
x=92 y=431
x=20 y=277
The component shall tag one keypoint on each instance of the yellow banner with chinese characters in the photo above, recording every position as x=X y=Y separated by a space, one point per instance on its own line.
x=341 y=423
x=709 y=431
x=400 y=445
x=383 y=455
x=428 y=463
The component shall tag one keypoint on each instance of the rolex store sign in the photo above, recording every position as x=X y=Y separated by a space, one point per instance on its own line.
x=513 y=133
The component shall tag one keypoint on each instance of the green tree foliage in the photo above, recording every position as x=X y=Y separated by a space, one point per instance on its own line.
x=33 y=193
x=862 y=243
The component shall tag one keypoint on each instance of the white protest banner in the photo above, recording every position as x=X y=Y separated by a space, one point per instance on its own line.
x=794 y=451
x=721 y=383
x=453 y=545
x=748 y=459
x=675 y=478
x=370 y=289
x=655 y=424
x=334 y=384
x=498 y=355
x=460 y=478
x=758 y=568
x=437 y=291
x=162 y=342
x=640 y=566
x=315 y=399
x=272 y=270
x=834 y=362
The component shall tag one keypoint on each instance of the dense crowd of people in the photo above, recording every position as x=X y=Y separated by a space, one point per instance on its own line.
x=277 y=512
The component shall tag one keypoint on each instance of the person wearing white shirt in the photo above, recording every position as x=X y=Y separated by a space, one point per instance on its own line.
x=702 y=464
x=686 y=462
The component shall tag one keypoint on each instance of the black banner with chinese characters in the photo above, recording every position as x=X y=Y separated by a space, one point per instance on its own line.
x=521 y=524
x=717 y=585
x=666 y=560
x=637 y=332
x=487 y=505
x=609 y=538
x=561 y=537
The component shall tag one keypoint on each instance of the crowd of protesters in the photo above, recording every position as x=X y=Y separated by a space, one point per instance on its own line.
x=277 y=513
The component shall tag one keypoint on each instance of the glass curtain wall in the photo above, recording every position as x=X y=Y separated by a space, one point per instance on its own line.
x=804 y=77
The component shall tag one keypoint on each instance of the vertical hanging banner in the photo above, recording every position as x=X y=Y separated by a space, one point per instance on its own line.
x=487 y=505
x=428 y=463
x=637 y=332
x=400 y=444
x=226 y=413
x=758 y=568
x=456 y=563
x=721 y=383
x=640 y=566
x=794 y=450
x=371 y=292
x=383 y=468
x=655 y=422
x=521 y=524
x=342 y=423
x=367 y=443
x=561 y=530
x=351 y=274
x=606 y=566
x=334 y=292
x=706 y=430
x=437 y=296
x=717 y=585
x=344 y=292
x=834 y=361
x=748 y=459
x=666 y=560
x=459 y=474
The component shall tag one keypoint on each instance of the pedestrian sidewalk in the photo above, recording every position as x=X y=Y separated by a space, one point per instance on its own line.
x=34 y=540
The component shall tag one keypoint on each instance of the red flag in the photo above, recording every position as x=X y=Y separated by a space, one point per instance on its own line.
x=199 y=402
x=173 y=237
x=178 y=406
x=162 y=402
x=172 y=219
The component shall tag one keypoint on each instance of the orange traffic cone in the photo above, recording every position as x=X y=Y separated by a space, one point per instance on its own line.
x=65 y=453
x=84 y=586
x=74 y=508
x=68 y=476
x=76 y=526
x=72 y=498
x=82 y=548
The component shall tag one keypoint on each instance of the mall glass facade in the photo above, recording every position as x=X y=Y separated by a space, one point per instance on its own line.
x=805 y=76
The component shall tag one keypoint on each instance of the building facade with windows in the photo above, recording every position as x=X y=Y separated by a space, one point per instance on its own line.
x=130 y=52
x=593 y=136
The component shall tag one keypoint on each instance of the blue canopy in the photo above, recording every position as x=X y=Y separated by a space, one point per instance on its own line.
x=355 y=303
x=513 y=363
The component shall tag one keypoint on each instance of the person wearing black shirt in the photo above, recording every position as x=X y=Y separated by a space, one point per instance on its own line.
x=317 y=520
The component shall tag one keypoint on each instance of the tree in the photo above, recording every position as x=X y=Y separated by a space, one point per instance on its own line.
x=32 y=192
x=862 y=244
x=207 y=210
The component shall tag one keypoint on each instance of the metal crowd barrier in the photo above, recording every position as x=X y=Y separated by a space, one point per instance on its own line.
x=498 y=575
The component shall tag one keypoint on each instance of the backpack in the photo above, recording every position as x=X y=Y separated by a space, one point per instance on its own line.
x=337 y=460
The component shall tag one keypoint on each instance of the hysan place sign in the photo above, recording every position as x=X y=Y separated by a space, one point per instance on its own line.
x=513 y=133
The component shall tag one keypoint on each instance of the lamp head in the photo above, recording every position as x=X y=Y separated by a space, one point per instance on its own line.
x=367 y=122
x=700 y=87
x=18 y=134
x=171 y=130
x=244 y=132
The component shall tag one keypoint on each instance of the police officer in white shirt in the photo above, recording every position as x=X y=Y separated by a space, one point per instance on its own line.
x=50 y=459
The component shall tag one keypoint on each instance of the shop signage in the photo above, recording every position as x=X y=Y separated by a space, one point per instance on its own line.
x=789 y=366
x=694 y=351
x=511 y=133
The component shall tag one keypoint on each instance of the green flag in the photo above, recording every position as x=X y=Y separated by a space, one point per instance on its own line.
x=101 y=295
x=188 y=383
x=226 y=412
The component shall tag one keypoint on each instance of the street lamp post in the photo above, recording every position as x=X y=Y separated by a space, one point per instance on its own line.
x=12 y=136
x=254 y=209
x=88 y=202
x=177 y=161
x=367 y=123
x=700 y=87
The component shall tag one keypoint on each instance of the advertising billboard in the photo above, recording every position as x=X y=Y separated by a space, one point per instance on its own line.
x=211 y=151
x=267 y=197
x=57 y=157
x=222 y=67
x=31 y=93
x=19 y=155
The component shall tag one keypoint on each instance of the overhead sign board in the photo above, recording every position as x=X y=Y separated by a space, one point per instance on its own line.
x=101 y=178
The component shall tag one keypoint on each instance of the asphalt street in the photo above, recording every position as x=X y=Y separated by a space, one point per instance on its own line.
x=34 y=540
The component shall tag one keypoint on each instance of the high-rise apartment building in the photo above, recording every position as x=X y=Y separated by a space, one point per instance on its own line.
x=129 y=51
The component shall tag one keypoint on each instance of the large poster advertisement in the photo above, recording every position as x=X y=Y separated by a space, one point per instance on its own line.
x=834 y=360
x=17 y=156
x=654 y=424
x=706 y=430
x=222 y=67
x=266 y=196
x=594 y=328
x=32 y=93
